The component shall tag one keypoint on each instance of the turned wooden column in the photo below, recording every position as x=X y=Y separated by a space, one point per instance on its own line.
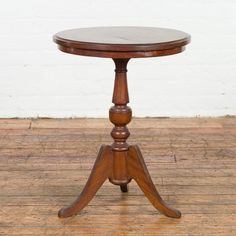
x=120 y=115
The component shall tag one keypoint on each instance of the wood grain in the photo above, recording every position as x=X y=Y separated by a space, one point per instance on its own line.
x=122 y=38
x=41 y=169
x=122 y=42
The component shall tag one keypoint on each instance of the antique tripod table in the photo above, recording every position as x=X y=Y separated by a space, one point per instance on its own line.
x=120 y=162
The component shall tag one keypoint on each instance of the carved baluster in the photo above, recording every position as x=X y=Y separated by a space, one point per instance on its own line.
x=120 y=115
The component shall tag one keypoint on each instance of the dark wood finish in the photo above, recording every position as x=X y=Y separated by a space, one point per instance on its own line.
x=99 y=174
x=120 y=162
x=122 y=42
x=124 y=188
x=138 y=170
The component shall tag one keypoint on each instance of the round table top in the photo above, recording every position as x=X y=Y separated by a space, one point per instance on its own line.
x=122 y=41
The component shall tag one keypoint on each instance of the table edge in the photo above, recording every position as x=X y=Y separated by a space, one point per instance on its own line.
x=121 y=47
x=121 y=54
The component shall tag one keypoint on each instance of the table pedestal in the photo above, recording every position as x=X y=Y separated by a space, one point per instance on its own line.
x=119 y=162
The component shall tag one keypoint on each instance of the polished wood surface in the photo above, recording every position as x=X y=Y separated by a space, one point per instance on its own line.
x=122 y=42
x=120 y=162
x=45 y=163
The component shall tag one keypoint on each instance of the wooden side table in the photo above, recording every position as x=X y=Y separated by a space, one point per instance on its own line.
x=120 y=162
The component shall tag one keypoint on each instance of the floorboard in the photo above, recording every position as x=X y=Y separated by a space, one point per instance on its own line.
x=44 y=164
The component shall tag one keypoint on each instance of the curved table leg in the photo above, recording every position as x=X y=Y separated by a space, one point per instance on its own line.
x=139 y=172
x=124 y=188
x=97 y=177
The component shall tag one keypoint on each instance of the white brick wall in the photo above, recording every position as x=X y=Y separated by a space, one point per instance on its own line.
x=38 y=80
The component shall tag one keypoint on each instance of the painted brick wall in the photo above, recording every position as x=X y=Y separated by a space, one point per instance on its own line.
x=38 y=80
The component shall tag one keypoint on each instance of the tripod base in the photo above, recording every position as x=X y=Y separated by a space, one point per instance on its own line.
x=120 y=168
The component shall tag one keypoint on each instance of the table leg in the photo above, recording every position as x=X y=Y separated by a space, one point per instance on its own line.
x=139 y=172
x=124 y=188
x=120 y=162
x=99 y=174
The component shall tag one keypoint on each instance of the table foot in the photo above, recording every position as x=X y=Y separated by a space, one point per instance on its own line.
x=99 y=174
x=139 y=172
x=124 y=188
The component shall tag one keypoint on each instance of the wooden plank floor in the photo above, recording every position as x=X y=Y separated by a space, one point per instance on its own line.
x=44 y=165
